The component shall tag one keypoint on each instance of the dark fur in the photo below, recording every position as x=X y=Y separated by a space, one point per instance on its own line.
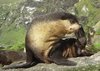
x=55 y=54
x=79 y=46
x=82 y=42
x=7 y=57
x=56 y=16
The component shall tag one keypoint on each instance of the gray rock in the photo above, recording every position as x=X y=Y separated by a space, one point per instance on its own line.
x=83 y=63
x=96 y=3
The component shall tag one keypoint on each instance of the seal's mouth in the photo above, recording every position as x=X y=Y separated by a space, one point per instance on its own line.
x=69 y=36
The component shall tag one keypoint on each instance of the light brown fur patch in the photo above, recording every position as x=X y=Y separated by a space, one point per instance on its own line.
x=69 y=52
x=44 y=34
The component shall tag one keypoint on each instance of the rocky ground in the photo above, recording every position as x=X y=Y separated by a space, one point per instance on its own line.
x=91 y=63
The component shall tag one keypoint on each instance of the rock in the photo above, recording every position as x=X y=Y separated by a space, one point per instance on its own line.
x=96 y=3
x=83 y=63
x=96 y=37
x=97 y=26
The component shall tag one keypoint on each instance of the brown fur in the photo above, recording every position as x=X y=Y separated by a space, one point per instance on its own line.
x=69 y=52
x=44 y=38
x=7 y=57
